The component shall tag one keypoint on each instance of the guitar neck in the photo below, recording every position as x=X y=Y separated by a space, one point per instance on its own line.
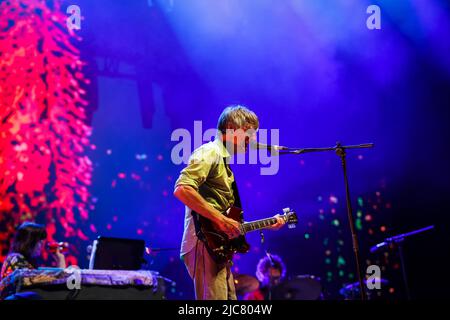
x=258 y=224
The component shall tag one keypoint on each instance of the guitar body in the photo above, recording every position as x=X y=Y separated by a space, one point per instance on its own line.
x=219 y=246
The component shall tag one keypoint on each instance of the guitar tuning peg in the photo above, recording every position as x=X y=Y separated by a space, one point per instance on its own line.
x=286 y=210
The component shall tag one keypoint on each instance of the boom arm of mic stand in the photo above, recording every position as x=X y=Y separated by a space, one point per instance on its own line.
x=307 y=150
x=398 y=238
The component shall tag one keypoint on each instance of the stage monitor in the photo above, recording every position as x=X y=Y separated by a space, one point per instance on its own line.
x=117 y=254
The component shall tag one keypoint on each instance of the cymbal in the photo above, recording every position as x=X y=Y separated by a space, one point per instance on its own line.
x=245 y=283
x=355 y=285
x=303 y=287
x=353 y=288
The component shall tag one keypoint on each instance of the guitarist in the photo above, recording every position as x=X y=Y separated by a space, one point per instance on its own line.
x=206 y=186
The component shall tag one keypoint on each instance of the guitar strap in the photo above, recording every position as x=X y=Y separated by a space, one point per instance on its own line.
x=237 y=198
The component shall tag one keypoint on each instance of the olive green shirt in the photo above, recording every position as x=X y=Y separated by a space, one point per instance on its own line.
x=207 y=174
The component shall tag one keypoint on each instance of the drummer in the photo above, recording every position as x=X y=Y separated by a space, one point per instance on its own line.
x=270 y=271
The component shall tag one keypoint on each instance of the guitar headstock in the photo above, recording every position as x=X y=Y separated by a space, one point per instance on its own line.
x=290 y=217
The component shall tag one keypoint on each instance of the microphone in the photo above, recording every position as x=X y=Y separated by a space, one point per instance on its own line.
x=257 y=145
x=376 y=247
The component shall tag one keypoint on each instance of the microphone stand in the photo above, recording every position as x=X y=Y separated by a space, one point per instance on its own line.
x=341 y=152
x=398 y=240
x=154 y=251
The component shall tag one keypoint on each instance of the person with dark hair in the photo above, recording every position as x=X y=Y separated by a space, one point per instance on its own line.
x=270 y=271
x=207 y=188
x=26 y=247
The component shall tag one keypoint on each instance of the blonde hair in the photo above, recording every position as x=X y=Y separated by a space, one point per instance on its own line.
x=237 y=117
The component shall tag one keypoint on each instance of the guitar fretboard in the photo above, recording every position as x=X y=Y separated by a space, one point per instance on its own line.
x=258 y=224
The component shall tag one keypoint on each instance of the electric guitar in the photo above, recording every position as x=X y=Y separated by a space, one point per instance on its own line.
x=220 y=246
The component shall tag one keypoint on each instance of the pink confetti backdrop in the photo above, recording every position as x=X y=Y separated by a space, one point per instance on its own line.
x=43 y=134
